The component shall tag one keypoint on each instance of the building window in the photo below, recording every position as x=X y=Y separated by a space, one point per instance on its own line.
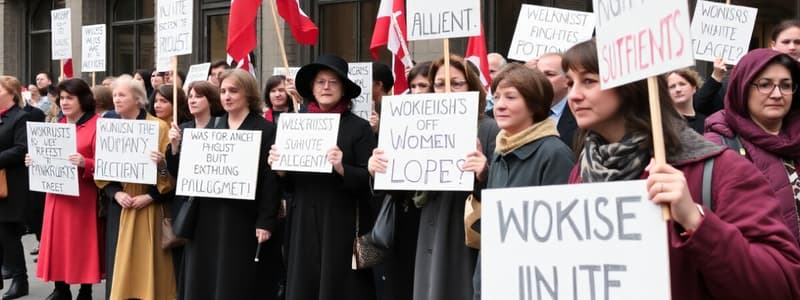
x=39 y=55
x=132 y=36
x=353 y=21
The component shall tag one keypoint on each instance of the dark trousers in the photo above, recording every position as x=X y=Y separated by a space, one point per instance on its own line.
x=34 y=213
x=12 y=254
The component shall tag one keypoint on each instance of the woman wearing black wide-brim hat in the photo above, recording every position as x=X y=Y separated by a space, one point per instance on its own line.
x=323 y=214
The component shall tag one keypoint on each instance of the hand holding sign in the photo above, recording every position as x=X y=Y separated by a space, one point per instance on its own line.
x=335 y=158
x=667 y=185
x=476 y=162
x=377 y=162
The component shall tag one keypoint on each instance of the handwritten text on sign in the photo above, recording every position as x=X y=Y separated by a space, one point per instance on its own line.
x=591 y=241
x=174 y=27
x=61 y=33
x=303 y=141
x=122 y=150
x=639 y=39
x=720 y=30
x=440 y=19
x=93 y=48
x=426 y=138
x=282 y=71
x=219 y=163
x=361 y=74
x=49 y=145
x=198 y=72
x=543 y=30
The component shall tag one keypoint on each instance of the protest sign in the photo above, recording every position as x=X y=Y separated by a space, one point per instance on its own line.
x=219 y=163
x=587 y=241
x=543 y=30
x=426 y=138
x=174 y=27
x=198 y=72
x=122 y=150
x=441 y=19
x=163 y=63
x=26 y=95
x=720 y=30
x=303 y=141
x=49 y=145
x=282 y=71
x=361 y=74
x=639 y=39
x=61 y=34
x=93 y=48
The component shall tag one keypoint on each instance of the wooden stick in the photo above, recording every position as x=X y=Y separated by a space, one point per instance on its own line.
x=174 y=90
x=658 y=131
x=61 y=75
x=93 y=79
x=283 y=50
x=447 y=65
x=728 y=2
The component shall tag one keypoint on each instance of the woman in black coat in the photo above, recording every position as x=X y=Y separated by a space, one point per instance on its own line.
x=218 y=260
x=322 y=219
x=13 y=146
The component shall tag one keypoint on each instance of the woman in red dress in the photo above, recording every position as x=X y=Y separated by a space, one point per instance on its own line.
x=70 y=249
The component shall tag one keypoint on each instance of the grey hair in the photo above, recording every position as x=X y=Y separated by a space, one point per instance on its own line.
x=503 y=60
x=135 y=87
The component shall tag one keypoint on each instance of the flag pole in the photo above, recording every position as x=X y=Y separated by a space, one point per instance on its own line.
x=447 y=65
x=283 y=49
x=174 y=90
x=658 y=131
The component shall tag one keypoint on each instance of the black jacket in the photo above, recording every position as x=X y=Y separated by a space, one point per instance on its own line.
x=13 y=146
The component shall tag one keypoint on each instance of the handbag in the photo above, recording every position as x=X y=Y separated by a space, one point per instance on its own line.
x=168 y=238
x=382 y=233
x=472 y=215
x=3 y=184
x=184 y=223
x=365 y=253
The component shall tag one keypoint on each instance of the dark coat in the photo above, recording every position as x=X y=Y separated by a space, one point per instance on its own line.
x=219 y=259
x=444 y=264
x=545 y=161
x=13 y=146
x=322 y=221
x=567 y=127
x=35 y=206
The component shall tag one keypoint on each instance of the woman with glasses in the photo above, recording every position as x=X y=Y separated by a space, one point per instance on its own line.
x=762 y=123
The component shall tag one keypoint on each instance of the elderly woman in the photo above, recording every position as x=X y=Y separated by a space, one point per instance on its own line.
x=762 y=122
x=136 y=267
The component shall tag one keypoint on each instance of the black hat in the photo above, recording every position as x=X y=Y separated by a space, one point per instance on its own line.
x=307 y=73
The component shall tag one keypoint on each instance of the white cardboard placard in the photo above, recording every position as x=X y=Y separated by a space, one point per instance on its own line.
x=219 y=163
x=426 y=138
x=361 y=74
x=440 y=19
x=639 y=39
x=542 y=29
x=303 y=141
x=49 y=145
x=122 y=150
x=93 y=48
x=721 y=30
x=282 y=71
x=61 y=33
x=174 y=27
x=198 y=72
x=599 y=241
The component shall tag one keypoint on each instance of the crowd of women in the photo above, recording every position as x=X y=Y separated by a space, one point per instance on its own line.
x=740 y=241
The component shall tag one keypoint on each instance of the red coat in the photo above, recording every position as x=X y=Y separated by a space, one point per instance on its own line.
x=742 y=249
x=71 y=245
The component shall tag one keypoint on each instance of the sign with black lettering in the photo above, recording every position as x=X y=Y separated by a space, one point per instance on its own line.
x=282 y=71
x=219 y=163
x=581 y=241
x=174 y=27
x=61 y=33
x=639 y=39
x=122 y=150
x=93 y=49
x=720 y=30
x=163 y=63
x=49 y=145
x=426 y=138
x=543 y=30
x=441 y=19
x=198 y=72
x=303 y=141
x=361 y=74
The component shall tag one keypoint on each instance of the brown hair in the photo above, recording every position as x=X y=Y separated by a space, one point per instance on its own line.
x=211 y=92
x=634 y=104
x=103 y=97
x=782 y=26
x=531 y=84
x=13 y=86
x=471 y=75
x=248 y=86
x=272 y=82
x=166 y=91
x=689 y=74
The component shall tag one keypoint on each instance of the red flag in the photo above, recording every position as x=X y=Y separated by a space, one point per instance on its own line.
x=68 y=72
x=477 y=54
x=303 y=29
x=242 y=29
x=390 y=31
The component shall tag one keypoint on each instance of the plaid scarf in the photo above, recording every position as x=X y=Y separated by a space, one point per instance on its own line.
x=603 y=161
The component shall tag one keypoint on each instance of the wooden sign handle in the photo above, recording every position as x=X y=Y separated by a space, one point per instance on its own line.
x=93 y=79
x=174 y=90
x=296 y=102
x=658 y=132
x=446 y=65
x=61 y=75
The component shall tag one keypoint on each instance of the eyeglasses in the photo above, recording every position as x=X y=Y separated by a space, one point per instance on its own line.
x=766 y=87
x=323 y=82
x=453 y=84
